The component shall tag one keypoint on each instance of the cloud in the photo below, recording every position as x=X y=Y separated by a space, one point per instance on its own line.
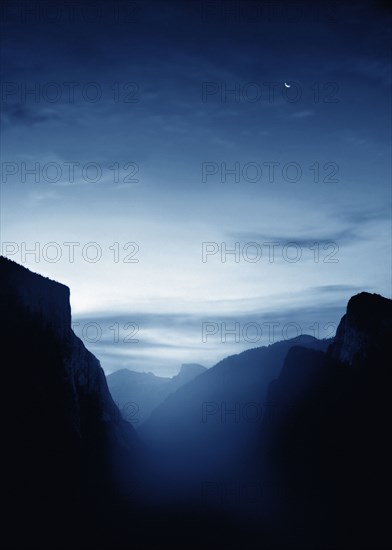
x=167 y=340
x=371 y=68
x=337 y=289
x=302 y=114
x=343 y=237
x=37 y=197
x=361 y=216
x=12 y=114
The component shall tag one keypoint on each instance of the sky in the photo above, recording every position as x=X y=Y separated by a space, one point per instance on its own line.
x=206 y=177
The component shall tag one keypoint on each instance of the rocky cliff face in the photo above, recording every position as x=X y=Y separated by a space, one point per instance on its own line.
x=63 y=435
x=45 y=303
x=327 y=442
x=365 y=331
x=188 y=372
x=39 y=296
x=322 y=460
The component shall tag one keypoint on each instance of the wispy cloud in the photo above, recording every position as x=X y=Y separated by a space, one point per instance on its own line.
x=302 y=114
x=12 y=114
x=36 y=198
x=344 y=236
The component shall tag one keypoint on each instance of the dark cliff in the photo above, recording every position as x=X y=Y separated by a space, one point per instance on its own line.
x=63 y=436
x=327 y=442
x=365 y=331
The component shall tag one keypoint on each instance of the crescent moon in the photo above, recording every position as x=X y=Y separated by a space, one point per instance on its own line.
x=287 y=85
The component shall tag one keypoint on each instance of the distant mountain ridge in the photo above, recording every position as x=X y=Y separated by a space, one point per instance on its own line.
x=216 y=416
x=188 y=372
x=313 y=472
x=137 y=394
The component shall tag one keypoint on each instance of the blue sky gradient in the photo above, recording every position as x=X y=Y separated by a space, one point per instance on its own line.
x=165 y=156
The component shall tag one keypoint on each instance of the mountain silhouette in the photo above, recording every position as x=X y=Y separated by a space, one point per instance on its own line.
x=137 y=394
x=63 y=436
x=283 y=447
x=206 y=426
x=327 y=443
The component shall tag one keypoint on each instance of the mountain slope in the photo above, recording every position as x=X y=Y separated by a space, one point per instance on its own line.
x=364 y=332
x=137 y=394
x=327 y=444
x=320 y=456
x=207 y=425
x=63 y=435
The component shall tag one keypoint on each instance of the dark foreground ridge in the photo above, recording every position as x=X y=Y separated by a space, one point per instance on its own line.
x=76 y=475
x=63 y=436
